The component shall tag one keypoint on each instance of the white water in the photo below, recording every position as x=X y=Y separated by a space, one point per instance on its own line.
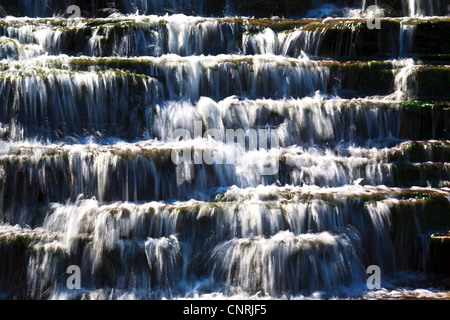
x=259 y=234
x=405 y=80
x=421 y=8
x=406 y=38
x=88 y=175
x=131 y=36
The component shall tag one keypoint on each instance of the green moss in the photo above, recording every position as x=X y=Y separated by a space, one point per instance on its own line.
x=122 y=63
x=416 y=106
x=201 y=21
x=7 y=41
x=269 y=197
x=441 y=239
x=183 y=210
x=125 y=214
x=433 y=83
x=24 y=240
x=276 y=25
x=19 y=239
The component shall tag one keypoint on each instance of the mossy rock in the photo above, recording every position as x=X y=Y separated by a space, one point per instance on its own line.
x=440 y=253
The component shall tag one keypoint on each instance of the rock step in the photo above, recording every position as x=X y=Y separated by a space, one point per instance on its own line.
x=439 y=252
x=130 y=114
x=341 y=39
x=152 y=80
x=149 y=171
x=290 y=222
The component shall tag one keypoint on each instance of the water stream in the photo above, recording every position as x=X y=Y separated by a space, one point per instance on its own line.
x=353 y=124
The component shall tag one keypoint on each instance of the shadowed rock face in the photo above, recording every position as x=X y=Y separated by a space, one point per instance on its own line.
x=354 y=120
x=256 y=8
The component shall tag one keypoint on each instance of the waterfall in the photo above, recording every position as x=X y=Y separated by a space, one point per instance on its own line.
x=420 y=8
x=406 y=39
x=405 y=84
x=196 y=149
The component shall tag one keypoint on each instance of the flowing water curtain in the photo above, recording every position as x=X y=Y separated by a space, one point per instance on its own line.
x=94 y=177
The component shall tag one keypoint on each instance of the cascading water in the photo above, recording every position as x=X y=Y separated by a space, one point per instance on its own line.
x=420 y=8
x=118 y=150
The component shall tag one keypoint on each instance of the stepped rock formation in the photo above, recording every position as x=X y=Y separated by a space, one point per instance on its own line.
x=353 y=123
